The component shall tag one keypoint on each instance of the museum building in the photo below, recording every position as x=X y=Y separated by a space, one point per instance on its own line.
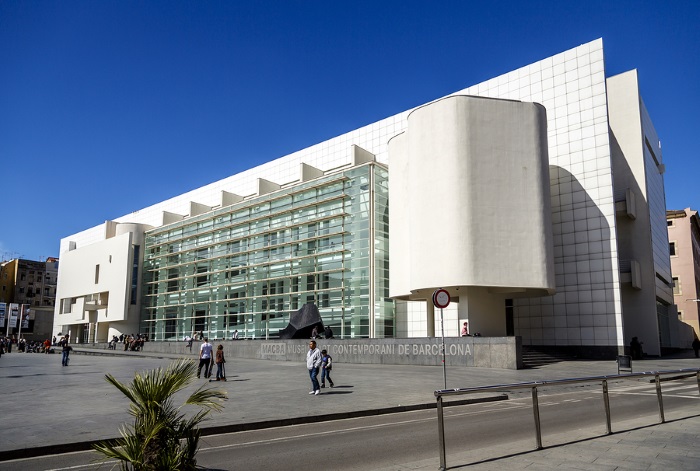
x=536 y=199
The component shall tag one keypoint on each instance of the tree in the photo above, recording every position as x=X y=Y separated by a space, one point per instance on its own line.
x=162 y=437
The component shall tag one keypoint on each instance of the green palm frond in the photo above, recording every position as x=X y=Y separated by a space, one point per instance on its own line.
x=162 y=437
x=205 y=397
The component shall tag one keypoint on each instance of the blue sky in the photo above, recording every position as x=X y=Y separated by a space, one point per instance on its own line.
x=107 y=107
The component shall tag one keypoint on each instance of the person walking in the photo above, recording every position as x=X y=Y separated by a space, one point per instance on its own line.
x=326 y=367
x=636 y=349
x=220 y=360
x=313 y=363
x=65 y=349
x=205 y=352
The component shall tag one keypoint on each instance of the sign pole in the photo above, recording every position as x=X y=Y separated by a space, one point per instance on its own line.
x=441 y=299
x=21 y=315
x=444 y=366
x=9 y=310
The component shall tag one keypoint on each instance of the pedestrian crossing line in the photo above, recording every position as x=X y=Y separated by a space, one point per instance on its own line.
x=688 y=387
x=614 y=388
x=514 y=406
x=504 y=404
x=653 y=393
x=690 y=390
x=653 y=387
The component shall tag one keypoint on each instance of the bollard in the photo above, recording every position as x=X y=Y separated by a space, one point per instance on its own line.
x=660 y=397
x=536 y=412
x=441 y=435
x=606 y=400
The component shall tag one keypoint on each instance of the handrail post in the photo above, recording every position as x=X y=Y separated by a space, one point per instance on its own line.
x=536 y=412
x=533 y=385
x=660 y=397
x=441 y=434
x=606 y=400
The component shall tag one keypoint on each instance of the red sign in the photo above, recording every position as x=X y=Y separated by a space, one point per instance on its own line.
x=441 y=298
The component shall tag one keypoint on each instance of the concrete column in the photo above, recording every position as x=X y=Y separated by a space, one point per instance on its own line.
x=101 y=332
x=430 y=318
x=92 y=326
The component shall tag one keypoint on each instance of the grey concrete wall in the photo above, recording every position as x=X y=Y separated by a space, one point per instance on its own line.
x=485 y=352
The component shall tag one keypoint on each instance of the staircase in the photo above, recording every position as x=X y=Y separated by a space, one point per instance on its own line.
x=534 y=356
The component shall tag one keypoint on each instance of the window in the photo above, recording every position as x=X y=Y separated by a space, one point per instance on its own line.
x=97 y=274
x=203 y=277
x=510 y=322
x=135 y=273
x=672 y=249
x=669 y=222
x=170 y=324
x=173 y=282
x=199 y=321
x=676 y=285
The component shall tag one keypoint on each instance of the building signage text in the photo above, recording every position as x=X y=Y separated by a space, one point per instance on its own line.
x=283 y=349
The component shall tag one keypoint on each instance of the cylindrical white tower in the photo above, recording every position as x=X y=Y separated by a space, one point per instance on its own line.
x=470 y=205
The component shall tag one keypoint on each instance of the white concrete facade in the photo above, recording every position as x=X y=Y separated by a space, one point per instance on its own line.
x=453 y=177
x=95 y=285
x=588 y=311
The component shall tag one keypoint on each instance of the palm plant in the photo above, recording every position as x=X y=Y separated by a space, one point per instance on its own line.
x=162 y=437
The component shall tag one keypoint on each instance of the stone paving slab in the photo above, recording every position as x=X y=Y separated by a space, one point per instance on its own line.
x=77 y=405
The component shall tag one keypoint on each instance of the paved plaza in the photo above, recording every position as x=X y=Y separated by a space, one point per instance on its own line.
x=54 y=409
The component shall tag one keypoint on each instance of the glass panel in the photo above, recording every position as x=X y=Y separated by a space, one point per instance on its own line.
x=247 y=266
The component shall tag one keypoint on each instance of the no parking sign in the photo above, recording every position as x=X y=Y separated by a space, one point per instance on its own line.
x=441 y=298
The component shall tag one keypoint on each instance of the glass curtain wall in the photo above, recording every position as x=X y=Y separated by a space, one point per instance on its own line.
x=384 y=313
x=246 y=267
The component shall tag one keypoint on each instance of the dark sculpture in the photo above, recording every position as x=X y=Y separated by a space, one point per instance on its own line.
x=302 y=323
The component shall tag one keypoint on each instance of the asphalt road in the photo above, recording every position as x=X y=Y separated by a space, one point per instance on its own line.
x=475 y=434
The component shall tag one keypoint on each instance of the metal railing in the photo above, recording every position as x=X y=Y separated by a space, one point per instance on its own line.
x=603 y=380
